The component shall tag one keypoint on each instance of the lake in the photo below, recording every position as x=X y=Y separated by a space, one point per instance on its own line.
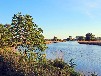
x=86 y=57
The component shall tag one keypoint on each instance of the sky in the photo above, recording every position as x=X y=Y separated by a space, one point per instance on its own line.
x=61 y=18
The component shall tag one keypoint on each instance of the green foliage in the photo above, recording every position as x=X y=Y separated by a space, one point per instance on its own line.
x=59 y=63
x=75 y=74
x=25 y=31
x=5 y=36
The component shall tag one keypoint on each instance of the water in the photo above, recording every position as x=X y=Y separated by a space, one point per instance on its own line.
x=86 y=57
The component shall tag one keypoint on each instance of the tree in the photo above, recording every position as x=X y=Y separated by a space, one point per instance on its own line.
x=90 y=36
x=27 y=34
x=55 y=38
x=93 y=38
x=70 y=38
x=80 y=38
x=5 y=36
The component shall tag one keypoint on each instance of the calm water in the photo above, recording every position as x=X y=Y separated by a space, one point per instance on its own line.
x=86 y=57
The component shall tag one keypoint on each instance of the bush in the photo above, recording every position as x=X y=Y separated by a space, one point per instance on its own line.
x=75 y=74
x=17 y=64
x=59 y=63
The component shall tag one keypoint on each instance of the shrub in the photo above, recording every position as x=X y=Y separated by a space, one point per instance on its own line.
x=17 y=64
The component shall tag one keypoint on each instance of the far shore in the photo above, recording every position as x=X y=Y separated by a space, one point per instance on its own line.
x=80 y=42
x=90 y=42
x=49 y=42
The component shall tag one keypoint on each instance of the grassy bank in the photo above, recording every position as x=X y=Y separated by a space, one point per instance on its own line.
x=15 y=64
x=90 y=42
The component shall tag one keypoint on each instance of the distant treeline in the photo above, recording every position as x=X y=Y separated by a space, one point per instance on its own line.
x=88 y=37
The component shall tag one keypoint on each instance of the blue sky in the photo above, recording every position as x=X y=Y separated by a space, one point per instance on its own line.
x=61 y=18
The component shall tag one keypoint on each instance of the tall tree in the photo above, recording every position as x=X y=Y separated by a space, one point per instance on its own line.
x=27 y=34
x=90 y=36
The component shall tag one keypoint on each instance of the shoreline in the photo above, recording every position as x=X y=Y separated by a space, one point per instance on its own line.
x=90 y=42
x=49 y=42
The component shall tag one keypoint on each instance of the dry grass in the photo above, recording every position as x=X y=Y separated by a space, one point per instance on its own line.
x=20 y=65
